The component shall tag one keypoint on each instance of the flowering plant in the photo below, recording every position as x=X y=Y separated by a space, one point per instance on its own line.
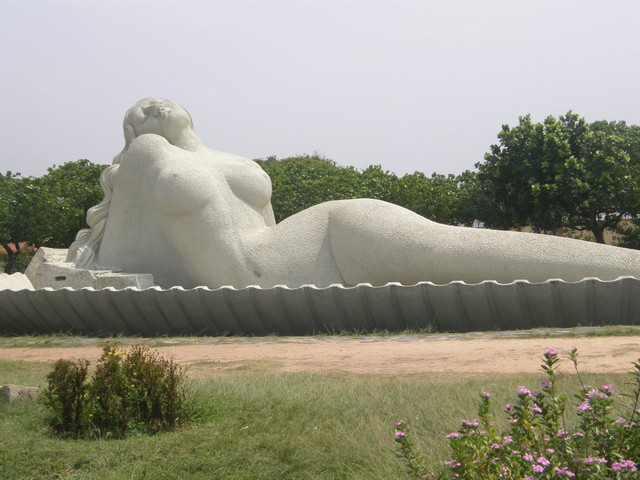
x=538 y=443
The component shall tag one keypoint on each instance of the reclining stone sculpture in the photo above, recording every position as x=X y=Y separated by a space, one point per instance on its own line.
x=193 y=216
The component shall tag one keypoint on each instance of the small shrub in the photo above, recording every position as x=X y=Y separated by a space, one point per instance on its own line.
x=66 y=396
x=131 y=390
x=538 y=444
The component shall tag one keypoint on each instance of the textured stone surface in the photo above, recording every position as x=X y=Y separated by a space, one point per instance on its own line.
x=192 y=216
x=18 y=393
x=48 y=268
x=16 y=281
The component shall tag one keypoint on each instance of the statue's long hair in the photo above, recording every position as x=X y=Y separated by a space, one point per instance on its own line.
x=84 y=251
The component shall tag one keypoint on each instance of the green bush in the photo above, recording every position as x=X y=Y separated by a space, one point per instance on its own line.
x=540 y=442
x=66 y=396
x=131 y=390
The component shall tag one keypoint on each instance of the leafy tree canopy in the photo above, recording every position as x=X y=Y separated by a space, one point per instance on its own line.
x=562 y=172
x=303 y=181
x=49 y=210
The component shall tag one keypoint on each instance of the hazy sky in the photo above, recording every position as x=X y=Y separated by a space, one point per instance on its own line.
x=409 y=85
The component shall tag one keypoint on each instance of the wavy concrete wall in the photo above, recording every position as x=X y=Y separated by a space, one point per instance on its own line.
x=280 y=310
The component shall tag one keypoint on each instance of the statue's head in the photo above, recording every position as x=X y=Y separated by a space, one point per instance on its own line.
x=158 y=116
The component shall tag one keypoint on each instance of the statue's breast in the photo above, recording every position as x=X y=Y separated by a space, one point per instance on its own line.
x=185 y=189
x=181 y=182
x=167 y=178
x=249 y=183
x=247 y=180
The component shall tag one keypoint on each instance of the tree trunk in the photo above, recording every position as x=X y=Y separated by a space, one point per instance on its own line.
x=598 y=232
x=597 y=228
x=11 y=258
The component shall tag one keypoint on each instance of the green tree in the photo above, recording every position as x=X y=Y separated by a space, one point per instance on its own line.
x=374 y=182
x=46 y=211
x=473 y=202
x=562 y=173
x=629 y=233
x=68 y=191
x=18 y=204
x=604 y=184
x=435 y=197
x=303 y=181
x=523 y=175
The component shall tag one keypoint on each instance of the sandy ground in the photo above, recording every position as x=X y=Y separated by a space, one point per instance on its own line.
x=380 y=355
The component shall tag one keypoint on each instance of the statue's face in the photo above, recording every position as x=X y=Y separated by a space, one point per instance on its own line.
x=158 y=116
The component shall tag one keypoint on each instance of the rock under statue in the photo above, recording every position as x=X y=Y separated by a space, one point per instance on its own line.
x=193 y=216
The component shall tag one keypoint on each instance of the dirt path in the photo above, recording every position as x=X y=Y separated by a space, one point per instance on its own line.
x=383 y=355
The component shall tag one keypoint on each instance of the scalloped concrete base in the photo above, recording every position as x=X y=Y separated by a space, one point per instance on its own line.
x=306 y=310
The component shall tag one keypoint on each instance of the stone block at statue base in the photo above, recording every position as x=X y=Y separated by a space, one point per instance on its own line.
x=48 y=268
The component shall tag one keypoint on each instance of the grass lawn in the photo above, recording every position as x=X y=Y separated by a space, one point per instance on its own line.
x=255 y=423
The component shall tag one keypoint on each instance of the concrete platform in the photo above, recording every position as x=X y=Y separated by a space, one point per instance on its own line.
x=455 y=307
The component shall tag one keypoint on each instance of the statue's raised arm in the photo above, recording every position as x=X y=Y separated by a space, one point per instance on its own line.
x=192 y=216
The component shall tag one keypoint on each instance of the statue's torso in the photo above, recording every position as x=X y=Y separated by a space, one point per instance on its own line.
x=180 y=214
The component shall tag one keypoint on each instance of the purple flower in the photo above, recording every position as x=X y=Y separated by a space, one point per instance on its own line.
x=486 y=395
x=545 y=383
x=552 y=352
x=400 y=434
x=452 y=435
x=624 y=464
x=399 y=423
x=543 y=461
x=536 y=408
x=507 y=439
x=607 y=388
x=584 y=406
x=509 y=406
x=523 y=391
x=527 y=457
x=472 y=424
x=596 y=393
x=591 y=459
x=496 y=446
x=537 y=468
x=564 y=471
